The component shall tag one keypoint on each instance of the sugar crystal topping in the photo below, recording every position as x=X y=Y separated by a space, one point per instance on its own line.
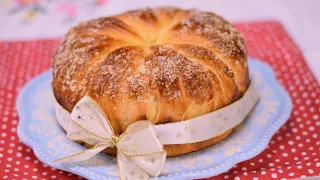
x=91 y=60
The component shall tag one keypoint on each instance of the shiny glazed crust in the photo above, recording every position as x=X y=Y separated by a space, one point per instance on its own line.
x=163 y=65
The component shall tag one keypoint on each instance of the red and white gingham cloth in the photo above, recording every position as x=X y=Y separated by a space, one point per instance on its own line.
x=293 y=152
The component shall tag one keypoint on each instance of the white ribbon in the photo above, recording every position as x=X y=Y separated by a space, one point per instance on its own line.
x=139 y=151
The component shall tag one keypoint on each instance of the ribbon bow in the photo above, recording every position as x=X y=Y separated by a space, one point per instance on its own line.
x=139 y=151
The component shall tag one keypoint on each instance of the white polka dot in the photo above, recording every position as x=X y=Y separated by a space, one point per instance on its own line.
x=302 y=108
x=291 y=174
x=279 y=138
x=245 y=173
x=255 y=178
x=281 y=147
x=252 y=164
x=283 y=179
x=53 y=177
x=310 y=171
x=225 y=177
x=9 y=158
x=303 y=176
x=290 y=142
x=308 y=101
x=311 y=128
x=34 y=177
x=236 y=178
x=244 y=169
x=299 y=119
x=271 y=164
x=260 y=160
x=318 y=164
x=13 y=129
x=303 y=153
x=311 y=109
x=3 y=135
x=19 y=154
x=280 y=170
x=294 y=130
x=300 y=145
x=273 y=175
x=263 y=172
x=284 y=154
x=299 y=166
x=315 y=136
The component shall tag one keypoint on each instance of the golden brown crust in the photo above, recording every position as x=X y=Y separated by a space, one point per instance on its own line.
x=162 y=64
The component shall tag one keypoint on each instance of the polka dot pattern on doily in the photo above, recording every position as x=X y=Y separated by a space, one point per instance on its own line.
x=293 y=152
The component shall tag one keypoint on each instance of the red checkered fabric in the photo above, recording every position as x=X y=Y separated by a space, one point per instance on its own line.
x=293 y=152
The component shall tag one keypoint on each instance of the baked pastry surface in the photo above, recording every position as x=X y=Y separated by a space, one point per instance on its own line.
x=162 y=64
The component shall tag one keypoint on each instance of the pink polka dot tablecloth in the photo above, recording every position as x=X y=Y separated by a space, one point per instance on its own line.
x=293 y=152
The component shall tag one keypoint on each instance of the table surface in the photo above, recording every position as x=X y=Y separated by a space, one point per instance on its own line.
x=25 y=19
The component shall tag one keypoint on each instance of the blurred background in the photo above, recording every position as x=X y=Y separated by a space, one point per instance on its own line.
x=35 y=19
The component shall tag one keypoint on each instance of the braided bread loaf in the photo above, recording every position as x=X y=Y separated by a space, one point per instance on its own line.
x=163 y=65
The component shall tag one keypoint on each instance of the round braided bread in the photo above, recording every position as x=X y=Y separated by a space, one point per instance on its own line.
x=162 y=64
